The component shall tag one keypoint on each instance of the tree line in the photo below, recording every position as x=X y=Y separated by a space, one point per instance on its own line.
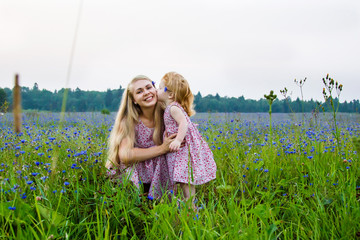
x=91 y=101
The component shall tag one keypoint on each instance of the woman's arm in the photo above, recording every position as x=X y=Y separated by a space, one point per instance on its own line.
x=180 y=118
x=143 y=154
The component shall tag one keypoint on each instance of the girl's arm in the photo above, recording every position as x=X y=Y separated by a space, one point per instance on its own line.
x=143 y=154
x=180 y=118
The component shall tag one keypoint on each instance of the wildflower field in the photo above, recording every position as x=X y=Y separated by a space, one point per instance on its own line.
x=299 y=179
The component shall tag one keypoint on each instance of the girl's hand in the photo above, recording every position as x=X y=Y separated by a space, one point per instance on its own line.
x=175 y=145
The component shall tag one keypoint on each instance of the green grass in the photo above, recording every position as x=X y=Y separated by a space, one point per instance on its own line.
x=265 y=188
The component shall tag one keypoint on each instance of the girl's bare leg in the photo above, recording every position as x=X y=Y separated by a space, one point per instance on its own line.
x=189 y=192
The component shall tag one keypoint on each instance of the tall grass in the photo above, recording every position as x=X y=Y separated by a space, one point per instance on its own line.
x=294 y=185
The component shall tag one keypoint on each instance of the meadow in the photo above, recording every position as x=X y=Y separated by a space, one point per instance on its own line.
x=297 y=180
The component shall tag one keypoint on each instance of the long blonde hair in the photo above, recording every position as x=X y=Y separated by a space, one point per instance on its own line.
x=124 y=127
x=178 y=85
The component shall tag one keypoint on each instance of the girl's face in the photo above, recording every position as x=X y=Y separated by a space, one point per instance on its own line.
x=162 y=94
x=144 y=93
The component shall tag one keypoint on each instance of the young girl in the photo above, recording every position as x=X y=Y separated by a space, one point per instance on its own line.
x=194 y=163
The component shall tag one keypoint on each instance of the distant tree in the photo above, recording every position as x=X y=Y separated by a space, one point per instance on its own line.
x=78 y=93
x=116 y=98
x=197 y=97
x=82 y=101
x=35 y=87
x=217 y=97
x=2 y=96
x=108 y=98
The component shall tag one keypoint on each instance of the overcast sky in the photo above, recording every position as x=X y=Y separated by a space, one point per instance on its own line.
x=230 y=47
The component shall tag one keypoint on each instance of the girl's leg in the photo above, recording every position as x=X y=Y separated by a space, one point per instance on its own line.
x=189 y=192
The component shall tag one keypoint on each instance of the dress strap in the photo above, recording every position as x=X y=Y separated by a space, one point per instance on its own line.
x=177 y=105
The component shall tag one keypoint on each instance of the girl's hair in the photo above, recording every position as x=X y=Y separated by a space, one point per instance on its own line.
x=126 y=119
x=178 y=85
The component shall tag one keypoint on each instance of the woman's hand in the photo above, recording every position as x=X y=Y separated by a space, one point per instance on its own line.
x=167 y=141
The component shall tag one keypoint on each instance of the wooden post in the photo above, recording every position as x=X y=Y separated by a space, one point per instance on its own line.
x=17 y=105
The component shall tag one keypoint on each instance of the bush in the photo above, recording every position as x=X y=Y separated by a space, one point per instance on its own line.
x=105 y=111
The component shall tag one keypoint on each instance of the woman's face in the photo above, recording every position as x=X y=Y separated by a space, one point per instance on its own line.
x=144 y=93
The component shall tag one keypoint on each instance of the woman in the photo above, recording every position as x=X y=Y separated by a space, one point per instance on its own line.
x=135 y=143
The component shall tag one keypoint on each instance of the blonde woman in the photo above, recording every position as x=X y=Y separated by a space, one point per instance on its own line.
x=135 y=143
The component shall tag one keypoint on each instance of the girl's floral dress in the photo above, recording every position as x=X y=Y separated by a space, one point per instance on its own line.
x=194 y=163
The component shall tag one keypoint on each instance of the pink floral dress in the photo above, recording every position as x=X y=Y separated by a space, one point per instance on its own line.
x=153 y=171
x=194 y=163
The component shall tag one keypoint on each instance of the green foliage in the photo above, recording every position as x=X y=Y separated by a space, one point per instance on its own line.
x=93 y=101
x=105 y=111
x=294 y=187
x=356 y=142
x=4 y=107
x=330 y=84
x=2 y=96
x=270 y=98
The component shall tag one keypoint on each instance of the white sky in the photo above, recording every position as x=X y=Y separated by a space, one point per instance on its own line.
x=230 y=47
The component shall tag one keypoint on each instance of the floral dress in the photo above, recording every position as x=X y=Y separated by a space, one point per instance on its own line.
x=194 y=163
x=153 y=171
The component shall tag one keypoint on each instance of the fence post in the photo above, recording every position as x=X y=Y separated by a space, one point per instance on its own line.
x=17 y=105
